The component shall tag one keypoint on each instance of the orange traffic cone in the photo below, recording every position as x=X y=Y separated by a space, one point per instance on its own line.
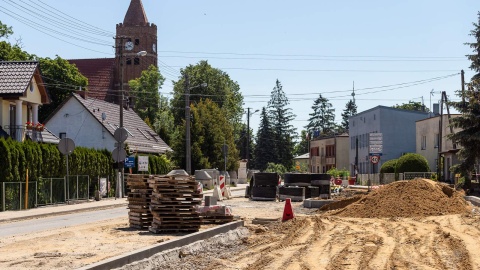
x=288 y=211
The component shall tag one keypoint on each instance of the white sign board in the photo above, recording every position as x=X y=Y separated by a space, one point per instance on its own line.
x=375 y=143
x=143 y=163
x=103 y=187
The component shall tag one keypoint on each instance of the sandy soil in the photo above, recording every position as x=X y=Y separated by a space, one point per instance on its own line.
x=312 y=240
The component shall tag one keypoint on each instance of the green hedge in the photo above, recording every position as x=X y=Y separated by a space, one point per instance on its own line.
x=389 y=166
x=45 y=160
x=412 y=162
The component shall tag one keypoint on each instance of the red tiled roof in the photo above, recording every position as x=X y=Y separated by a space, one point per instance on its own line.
x=99 y=73
x=135 y=14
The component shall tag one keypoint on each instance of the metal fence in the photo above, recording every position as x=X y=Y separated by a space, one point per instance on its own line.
x=49 y=191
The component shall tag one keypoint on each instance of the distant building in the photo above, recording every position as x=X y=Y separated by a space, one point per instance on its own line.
x=105 y=74
x=329 y=152
x=301 y=162
x=397 y=126
x=91 y=123
x=428 y=144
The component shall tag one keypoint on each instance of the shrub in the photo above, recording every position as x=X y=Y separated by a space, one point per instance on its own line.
x=412 y=163
x=389 y=166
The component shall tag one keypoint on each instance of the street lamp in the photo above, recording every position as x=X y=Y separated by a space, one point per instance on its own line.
x=188 y=150
x=248 y=133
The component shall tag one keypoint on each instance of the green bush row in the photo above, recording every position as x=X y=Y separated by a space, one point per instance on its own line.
x=45 y=160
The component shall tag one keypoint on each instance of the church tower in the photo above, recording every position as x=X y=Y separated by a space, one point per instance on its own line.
x=134 y=35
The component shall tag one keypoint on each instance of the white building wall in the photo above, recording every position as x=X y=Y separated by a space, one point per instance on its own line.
x=79 y=125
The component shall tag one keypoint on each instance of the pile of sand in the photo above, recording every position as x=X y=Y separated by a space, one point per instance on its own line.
x=414 y=198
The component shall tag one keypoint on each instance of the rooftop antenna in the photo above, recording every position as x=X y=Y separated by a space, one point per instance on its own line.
x=431 y=95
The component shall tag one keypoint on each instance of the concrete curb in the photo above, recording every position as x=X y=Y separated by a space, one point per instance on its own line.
x=66 y=212
x=144 y=253
x=474 y=200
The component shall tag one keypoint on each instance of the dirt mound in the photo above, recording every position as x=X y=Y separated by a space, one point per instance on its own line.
x=414 y=198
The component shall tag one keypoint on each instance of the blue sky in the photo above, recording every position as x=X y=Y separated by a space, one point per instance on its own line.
x=312 y=47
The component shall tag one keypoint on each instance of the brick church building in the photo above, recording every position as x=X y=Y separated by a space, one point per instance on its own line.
x=134 y=35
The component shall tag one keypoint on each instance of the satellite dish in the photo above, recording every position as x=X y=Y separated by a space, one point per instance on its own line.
x=104 y=116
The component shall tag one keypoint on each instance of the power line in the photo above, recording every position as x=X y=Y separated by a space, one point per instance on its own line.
x=314 y=59
x=313 y=55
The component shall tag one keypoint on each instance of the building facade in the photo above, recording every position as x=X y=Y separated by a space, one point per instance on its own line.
x=430 y=145
x=398 y=128
x=329 y=152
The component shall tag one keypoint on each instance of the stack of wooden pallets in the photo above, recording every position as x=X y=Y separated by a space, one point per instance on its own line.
x=173 y=204
x=139 y=215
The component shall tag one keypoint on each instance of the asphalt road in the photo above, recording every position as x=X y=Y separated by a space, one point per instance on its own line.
x=55 y=222
x=62 y=221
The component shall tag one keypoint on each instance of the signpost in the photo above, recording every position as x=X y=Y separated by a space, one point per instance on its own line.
x=129 y=162
x=66 y=147
x=143 y=163
x=119 y=154
x=375 y=147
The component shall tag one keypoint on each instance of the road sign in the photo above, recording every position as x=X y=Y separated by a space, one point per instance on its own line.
x=375 y=159
x=143 y=163
x=66 y=146
x=119 y=154
x=129 y=162
x=121 y=134
x=376 y=149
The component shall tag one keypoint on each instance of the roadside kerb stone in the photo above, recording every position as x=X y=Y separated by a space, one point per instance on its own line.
x=474 y=200
x=147 y=252
x=310 y=203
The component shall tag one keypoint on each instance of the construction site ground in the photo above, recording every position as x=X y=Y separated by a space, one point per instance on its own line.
x=313 y=240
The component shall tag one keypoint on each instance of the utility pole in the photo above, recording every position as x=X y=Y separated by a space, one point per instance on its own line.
x=120 y=48
x=248 y=136
x=188 y=154
x=462 y=73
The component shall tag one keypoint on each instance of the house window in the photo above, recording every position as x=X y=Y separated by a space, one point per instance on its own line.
x=436 y=140
x=129 y=61
x=137 y=41
x=330 y=149
x=374 y=117
x=424 y=142
x=62 y=135
x=136 y=61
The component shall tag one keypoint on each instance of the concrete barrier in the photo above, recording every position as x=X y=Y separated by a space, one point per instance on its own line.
x=147 y=252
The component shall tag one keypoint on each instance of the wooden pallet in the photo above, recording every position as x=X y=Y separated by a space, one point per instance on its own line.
x=171 y=230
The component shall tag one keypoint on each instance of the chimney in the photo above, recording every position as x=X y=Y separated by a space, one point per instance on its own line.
x=82 y=93
x=436 y=109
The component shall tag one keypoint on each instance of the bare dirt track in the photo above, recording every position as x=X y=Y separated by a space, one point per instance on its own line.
x=371 y=239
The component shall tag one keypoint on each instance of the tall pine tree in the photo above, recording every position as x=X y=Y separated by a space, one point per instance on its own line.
x=469 y=136
x=264 y=148
x=284 y=133
x=350 y=110
x=322 y=118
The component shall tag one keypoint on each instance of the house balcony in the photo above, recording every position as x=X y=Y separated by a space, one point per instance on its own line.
x=20 y=133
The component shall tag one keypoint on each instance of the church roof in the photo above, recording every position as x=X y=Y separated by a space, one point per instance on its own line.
x=99 y=73
x=135 y=14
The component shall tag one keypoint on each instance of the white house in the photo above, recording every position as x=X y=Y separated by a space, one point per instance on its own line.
x=91 y=122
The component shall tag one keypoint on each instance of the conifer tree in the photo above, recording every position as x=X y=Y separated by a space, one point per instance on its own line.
x=323 y=116
x=284 y=133
x=350 y=110
x=265 y=144
x=468 y=122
